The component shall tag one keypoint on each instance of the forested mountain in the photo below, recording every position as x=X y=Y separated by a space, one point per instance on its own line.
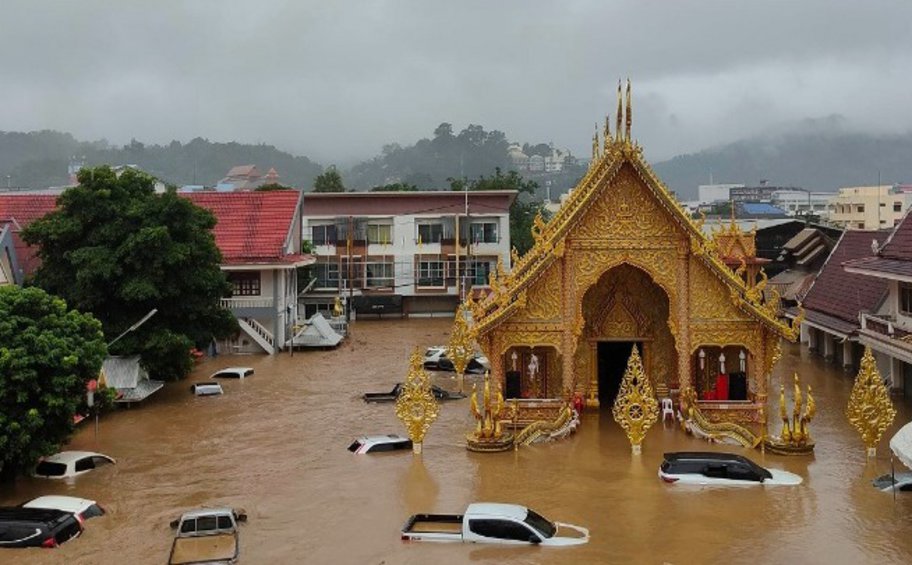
x=40 y=159
x=816 y=158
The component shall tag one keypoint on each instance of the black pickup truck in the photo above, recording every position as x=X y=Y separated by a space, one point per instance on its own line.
x=439 y=394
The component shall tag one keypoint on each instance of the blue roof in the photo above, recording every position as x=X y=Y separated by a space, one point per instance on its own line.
x=762 y=208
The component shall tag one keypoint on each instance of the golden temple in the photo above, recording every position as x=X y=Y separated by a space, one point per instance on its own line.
x=622 y=264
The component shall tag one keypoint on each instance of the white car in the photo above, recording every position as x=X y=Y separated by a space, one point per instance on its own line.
x=433 y=355
x=82 y=508
x=376 y=444
x=206 y=389
x=710 y=468
x=70 y=464
x=233 y=373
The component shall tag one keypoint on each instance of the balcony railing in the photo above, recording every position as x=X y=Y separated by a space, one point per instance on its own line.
x=247 y=302
x=884 y=325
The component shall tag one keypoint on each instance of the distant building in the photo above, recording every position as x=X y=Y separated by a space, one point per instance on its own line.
x=709 y=193
x=760 y=193
x=119 y=170
x=759 y=210
x=246 y=177
x=868 y=207
x=802 y=202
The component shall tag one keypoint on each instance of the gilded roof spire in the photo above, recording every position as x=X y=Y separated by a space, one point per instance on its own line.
x=620 y=114
x=607 y=132
x=629 y=113
x=595 y=146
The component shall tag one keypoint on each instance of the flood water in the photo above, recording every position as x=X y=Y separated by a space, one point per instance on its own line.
x=275 y=445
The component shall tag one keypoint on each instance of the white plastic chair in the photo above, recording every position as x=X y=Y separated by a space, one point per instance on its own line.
x=667 y=410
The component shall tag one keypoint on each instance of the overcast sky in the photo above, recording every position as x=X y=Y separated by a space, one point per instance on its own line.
x=336 y=80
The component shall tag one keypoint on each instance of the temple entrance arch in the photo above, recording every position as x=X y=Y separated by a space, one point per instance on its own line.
x=624 y=307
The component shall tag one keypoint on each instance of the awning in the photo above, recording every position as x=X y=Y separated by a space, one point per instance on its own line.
x=901 y=444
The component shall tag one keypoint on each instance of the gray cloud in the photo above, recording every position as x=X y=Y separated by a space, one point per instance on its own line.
x=337 y=80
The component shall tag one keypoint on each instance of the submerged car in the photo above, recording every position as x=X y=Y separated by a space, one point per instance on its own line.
x=439 y=394
x=70 y=464
x=476 y=365
x=901 y=482
x=37 y=527
x=209 y=388
x=82 y=508
x=711 y=468
x=433 y=355
x=377 y=444
x=233 y=373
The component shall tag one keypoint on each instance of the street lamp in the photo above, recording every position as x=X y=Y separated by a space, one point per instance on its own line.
x=142 y=321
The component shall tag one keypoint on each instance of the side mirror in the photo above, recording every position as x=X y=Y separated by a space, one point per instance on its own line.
x=174 y=523
x=240 y=516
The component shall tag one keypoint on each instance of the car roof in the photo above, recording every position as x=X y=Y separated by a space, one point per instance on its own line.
x=206 y=512
x=514 y=511
x=65 y=503
x=11 y=513
x=382 y=438
x=706 y=456
x=68 y=457
x=233 y=370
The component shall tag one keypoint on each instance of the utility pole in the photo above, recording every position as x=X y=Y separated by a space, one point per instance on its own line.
x=351 y=288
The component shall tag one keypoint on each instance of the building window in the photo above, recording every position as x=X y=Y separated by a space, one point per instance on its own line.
x=379 y=233
x=430 y=273
x=245 y=283
x=897 y=207
x=323 y=234
x=860 y=208
x=905 y=298
x=327 y=275
x=484 y=232
x=481 y=272
x=379 y=275
x=353 y=271
x=430 y=233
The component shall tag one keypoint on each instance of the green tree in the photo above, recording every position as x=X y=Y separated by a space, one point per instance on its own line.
x=47 y=355
x=395 y=187
x=523 y=210
x=272 y=186
x=329 y=181
x=115 y=248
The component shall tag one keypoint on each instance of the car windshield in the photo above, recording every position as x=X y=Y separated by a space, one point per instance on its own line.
x=93 y=511
x=546 y=528
x=355 y=446
x=50 y=469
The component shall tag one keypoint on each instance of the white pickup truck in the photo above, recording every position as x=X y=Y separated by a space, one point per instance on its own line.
x=206 y=536
x=487 y=522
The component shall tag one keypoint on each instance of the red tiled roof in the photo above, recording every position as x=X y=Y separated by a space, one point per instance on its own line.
x=899 y=245
x=252 y=226
x=842 y=295
x=19 y=210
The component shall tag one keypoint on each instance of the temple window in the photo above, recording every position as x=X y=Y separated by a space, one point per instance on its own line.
x=721 y=373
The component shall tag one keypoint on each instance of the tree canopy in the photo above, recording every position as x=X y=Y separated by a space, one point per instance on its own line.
x=523 y=210
x=115 y=248
x=395 y=187
x=329 y=181
x=47 y=355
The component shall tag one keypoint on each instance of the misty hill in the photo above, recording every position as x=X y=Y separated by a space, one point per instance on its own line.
x=815 y=155
x=40 y=159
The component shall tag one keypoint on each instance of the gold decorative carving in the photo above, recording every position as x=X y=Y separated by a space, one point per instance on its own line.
x=460 y=348
x=870 y=409
x=489 y=417
x=416 y=406
x=795 y=438
x=544 y=297
x=635 y=408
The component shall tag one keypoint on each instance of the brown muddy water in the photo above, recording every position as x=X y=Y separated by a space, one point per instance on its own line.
x=275 y=444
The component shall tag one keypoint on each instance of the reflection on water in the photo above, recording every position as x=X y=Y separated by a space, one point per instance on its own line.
x=275 y=444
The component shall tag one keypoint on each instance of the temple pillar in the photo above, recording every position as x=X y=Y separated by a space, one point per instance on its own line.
x=896 y=373
x=568 y=313
x=813 y=335
x=804 y=334
x=829 y=345
x=685 y=376
x=847 y=360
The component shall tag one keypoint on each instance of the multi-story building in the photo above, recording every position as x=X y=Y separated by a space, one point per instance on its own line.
x=709 y=193
x=868 y=207
x=409 y=253
x=760 y=193
x=795 y=202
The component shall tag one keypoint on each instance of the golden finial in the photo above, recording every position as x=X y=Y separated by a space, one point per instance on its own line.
x=619 y=117
x=595 y=146
x=416 y=406
x=636 y=408
x=460 y=349
x=607 y=133
x=629 y=116
x=795 y=438
x=489 y=415
x=870 y=410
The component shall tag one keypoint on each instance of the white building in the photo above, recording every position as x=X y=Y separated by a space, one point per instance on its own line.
x=398 y=252
x=802 y=202
x=709 y=193
x=868 y=207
